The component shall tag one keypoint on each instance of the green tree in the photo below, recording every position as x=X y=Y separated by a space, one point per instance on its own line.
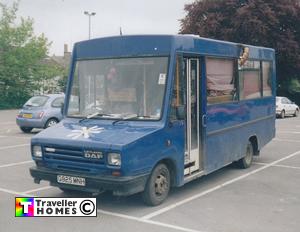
x=22 y=58
x=269 y=23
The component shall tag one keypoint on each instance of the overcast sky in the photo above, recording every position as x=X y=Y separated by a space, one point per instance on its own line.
x=63 y=21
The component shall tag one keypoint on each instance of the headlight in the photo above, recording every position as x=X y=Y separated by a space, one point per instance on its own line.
x=114 y=159
x=37 y=151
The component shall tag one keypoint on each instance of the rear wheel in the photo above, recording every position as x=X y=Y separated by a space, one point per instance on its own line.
x=246 y=161
x=282 y=114
x=296 y=113
x=26 y=129
x=51 y=122
x=158 y=186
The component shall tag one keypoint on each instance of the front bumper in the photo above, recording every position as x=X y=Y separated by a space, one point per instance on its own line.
x=121 y=186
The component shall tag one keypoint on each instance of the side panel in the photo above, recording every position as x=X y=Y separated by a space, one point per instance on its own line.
x=229 y=126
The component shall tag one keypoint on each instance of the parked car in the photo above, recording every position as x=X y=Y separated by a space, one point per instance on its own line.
x=285 y=106
x=40 y=112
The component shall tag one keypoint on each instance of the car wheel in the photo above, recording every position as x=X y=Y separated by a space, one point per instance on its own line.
x=246 y=161
x=158 y=186
x=282 y=114
x=51 y=122
x=296 y=113
x=26 y=129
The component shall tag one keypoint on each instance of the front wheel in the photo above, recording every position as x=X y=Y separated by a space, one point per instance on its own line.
x=158 y=186
x=246 y=161
x=282 y=114
x=296 y=113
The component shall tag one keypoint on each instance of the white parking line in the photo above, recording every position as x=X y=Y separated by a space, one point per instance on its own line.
x=179 y=203
x=38 y=189
x=14 y=192
x=13 y=146
x=278 y=165
x=16 y=164
x=287 y=140
x=287 y=132
x=147 y=221
x=18 y=137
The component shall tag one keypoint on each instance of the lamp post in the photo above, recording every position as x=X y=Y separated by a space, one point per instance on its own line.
x=90 y=15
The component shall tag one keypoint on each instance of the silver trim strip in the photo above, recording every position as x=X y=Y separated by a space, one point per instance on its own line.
x=239 y=125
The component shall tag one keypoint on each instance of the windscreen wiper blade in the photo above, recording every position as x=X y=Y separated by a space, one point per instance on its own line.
x=127 y=117
x=89 y=116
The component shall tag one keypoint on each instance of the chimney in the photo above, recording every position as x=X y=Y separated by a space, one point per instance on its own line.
x=65 y=48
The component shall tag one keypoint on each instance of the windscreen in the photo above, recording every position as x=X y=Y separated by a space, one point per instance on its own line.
x=119 y=87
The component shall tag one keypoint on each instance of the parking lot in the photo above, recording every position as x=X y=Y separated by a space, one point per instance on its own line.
x=265 y=197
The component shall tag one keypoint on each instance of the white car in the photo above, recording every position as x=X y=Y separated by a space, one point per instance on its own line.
x=285 y=107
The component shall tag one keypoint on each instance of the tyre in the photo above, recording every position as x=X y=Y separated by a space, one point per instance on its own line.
x=282 y=114
x=296 y=113
x=51 y=122
x=246 y=161
x=158 y=185
x=26 y=129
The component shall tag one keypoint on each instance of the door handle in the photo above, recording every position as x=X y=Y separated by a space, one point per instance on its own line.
x=204 y=120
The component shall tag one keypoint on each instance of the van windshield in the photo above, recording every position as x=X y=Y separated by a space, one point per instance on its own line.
x=116 y=88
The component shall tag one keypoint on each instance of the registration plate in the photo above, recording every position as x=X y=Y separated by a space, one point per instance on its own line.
x=27 y=115
x=71 y=180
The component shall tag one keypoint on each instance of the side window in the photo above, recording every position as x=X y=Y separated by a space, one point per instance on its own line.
x=220 y=80
x=57 y=103
x=250 y=80
x=283 y=101
x=267 y=78
x=179 y=89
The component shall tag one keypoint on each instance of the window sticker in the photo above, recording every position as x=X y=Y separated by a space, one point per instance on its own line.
x=162 y=79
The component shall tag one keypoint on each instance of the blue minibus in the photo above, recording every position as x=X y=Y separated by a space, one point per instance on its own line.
x=144 y=113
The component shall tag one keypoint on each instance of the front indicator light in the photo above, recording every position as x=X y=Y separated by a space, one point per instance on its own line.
x=114 y=159
x=37 y=151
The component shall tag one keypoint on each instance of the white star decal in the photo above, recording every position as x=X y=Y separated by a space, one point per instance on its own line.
x=85 y=132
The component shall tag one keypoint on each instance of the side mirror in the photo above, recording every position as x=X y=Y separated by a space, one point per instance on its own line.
x=180 y=112
x=62 y=108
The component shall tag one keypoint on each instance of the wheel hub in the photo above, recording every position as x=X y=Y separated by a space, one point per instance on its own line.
x=52 y=123
x=161 y=184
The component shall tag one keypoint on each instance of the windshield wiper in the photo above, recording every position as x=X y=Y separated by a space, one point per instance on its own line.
x=89 y=116
x=130 y=116
x=127 y=117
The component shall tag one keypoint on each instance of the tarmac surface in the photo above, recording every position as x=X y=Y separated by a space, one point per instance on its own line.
x=265 y=197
